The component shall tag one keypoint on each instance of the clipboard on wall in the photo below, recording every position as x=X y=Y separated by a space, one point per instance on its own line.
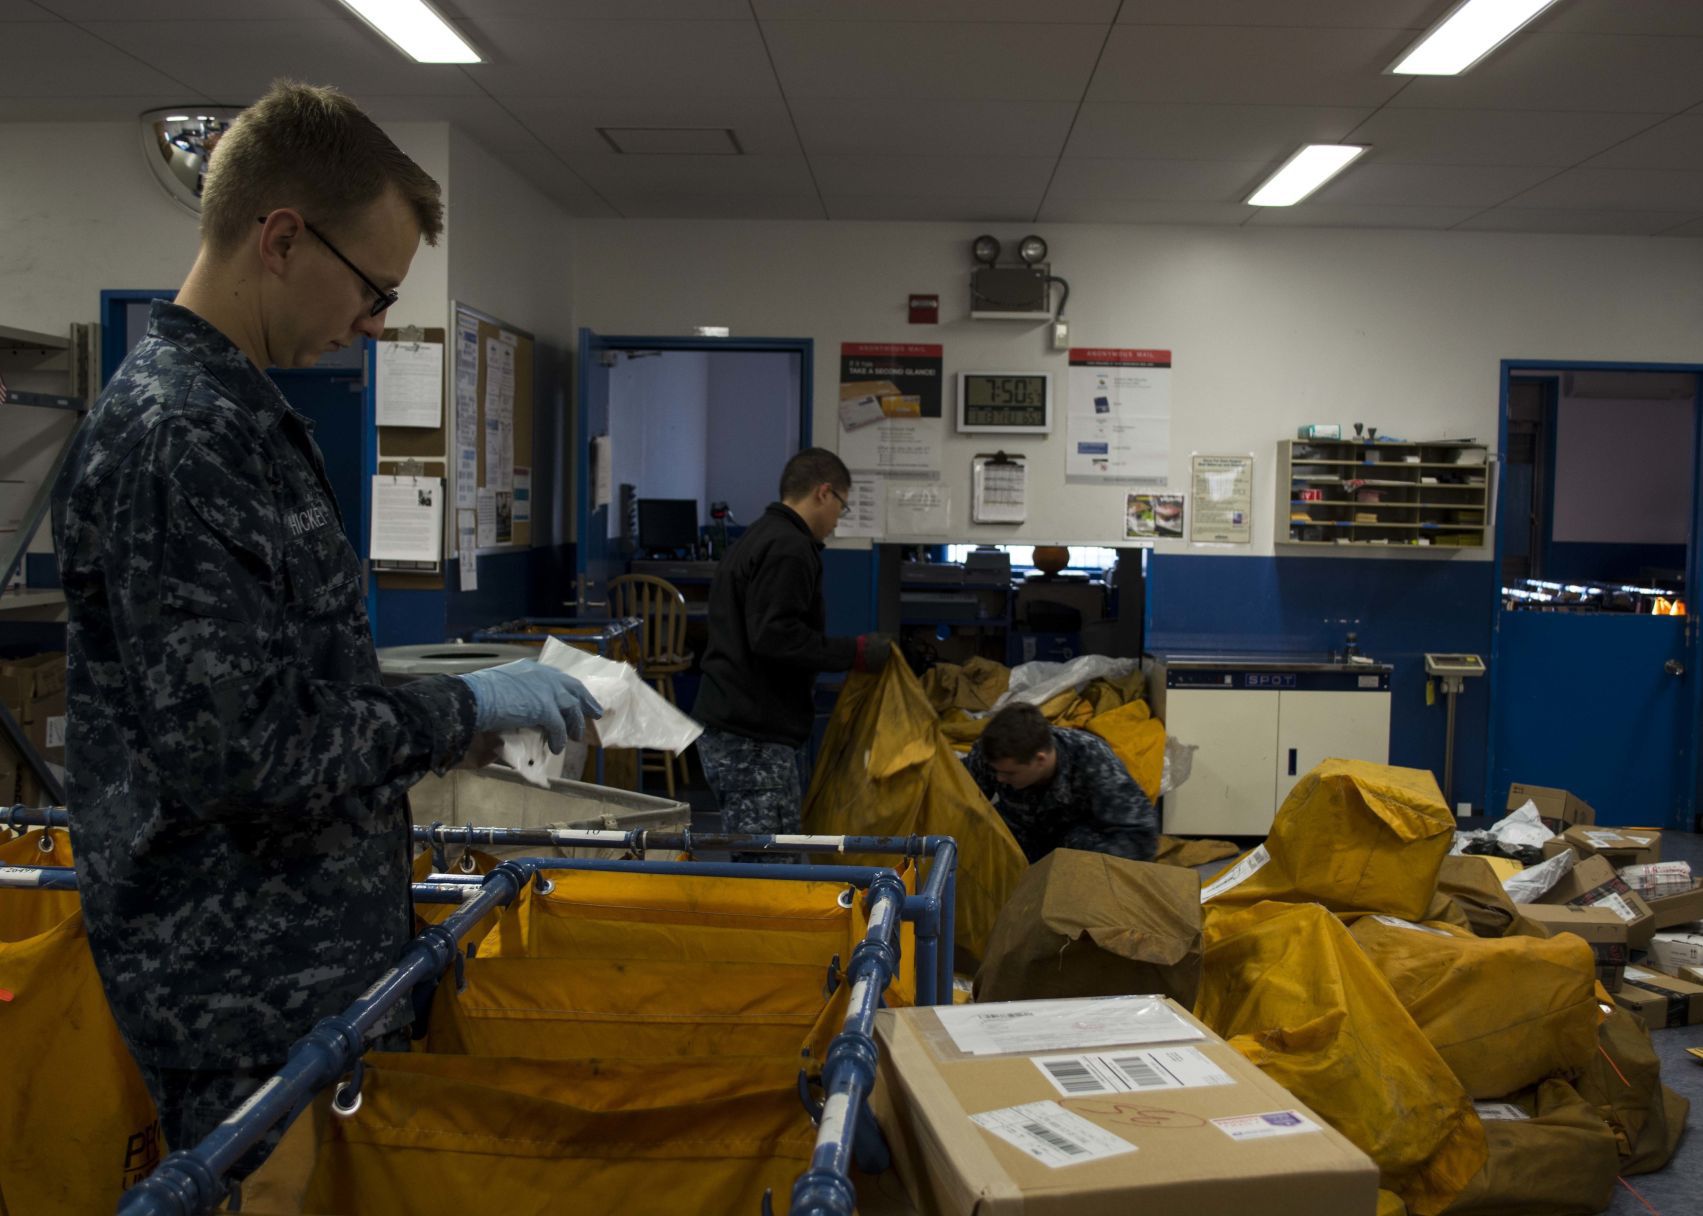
x=998 y=489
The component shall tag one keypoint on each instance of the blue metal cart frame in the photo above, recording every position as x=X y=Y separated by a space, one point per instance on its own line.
x=189 y=1182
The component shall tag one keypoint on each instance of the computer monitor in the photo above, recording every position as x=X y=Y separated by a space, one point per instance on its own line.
x=666 y=524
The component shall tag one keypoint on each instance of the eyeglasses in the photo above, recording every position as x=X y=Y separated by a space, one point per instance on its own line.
x=845 y=507
x=385 y=299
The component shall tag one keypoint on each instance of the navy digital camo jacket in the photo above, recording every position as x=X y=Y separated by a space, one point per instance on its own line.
x=237 y=774
x=1092 y=803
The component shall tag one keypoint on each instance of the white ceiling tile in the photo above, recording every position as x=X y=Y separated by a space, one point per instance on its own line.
x=902 y=127
x=1493 y=137
x=1618 y=190
x=1603 y=223
x=189 y=10
x=1386 y=185
x=1065 y=12
x=569 y=125
x=1325 y=215
x=556 y=181
x=1070 y=210
x=680 y=60
x=960 y=61
x=1674 y=144
x=1319 y=14
x=966 y=209
x=625 y=10
x=1625 y=17
x=487 y=121
x=611 y=174
x=643 y=205
x=1543 y=70
x=1160 y=181
x=54 y=59
x=1204 y=132
x=1001 y=178
x=236 y=61
x=1245 y=65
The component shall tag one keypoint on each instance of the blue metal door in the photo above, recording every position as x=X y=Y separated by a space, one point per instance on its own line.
x=1605 y=704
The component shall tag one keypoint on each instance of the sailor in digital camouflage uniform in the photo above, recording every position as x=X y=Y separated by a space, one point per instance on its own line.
x=767 y=644
x=1061 y=788
x=236 y=772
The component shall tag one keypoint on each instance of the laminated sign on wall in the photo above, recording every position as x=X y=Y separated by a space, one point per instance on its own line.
x=890 y=413
x=1119 y=421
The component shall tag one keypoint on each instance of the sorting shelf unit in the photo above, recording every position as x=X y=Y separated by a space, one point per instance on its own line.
x=1362 y=492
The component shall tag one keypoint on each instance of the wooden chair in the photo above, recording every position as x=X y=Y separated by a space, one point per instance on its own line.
x=662 y=655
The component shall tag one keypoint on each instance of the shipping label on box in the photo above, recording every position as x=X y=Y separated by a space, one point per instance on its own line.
x=1191 y=1124
x=1558 y=808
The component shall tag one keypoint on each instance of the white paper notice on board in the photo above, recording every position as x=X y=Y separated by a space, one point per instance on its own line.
x=467 y=542
x=866 y=508
x=466 y=446
x=407 y=519
x=918 y=508
x=1118 y=420
x=408 y=385
x=602 y=471
x=1223 y=489
x=522 y=494
x=487 y=518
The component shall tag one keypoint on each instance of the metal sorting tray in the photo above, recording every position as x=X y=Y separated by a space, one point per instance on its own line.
x=496 y=796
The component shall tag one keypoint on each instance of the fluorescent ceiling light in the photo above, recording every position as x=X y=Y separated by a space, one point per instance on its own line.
x=1303 y=173
x=413 y=28
x=1470 y=32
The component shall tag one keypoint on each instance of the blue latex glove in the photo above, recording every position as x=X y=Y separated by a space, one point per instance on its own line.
x=527 y=693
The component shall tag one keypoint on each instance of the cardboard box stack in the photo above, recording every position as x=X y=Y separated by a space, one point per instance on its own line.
x=33 y=690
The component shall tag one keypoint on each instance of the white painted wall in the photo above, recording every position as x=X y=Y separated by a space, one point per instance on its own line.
x=80 y=212
x=658 y=427
x=1270 y=329
x=753 y=429
x=1623 y=472
x=511 y=256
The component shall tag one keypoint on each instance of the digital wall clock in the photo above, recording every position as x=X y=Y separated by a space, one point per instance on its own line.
x=1011 y=403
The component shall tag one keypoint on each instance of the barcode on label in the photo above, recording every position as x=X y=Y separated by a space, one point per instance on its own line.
x=1141 y=1074
x=1073 y=1076
x=1057 y=1141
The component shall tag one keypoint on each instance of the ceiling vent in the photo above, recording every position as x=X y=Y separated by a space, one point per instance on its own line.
x=672 y=141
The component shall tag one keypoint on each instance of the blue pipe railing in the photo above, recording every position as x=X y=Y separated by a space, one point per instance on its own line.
x=189 y=1182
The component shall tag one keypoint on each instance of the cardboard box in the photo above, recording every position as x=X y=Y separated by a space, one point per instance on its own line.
x=1194 y=1128
x=1559 y=809
x=46 y=732
x=1602 y=929
x=1593 y=883
x=1691 y=974
x=36 y=678
x=1618 y=846
x=1673 y=951
x=1661 y=1000
x=1088 y=924
x=1680 y=909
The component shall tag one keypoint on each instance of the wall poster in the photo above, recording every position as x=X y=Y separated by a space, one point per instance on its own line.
x=890 y=417
x=1118 y=416
x=1223 y=489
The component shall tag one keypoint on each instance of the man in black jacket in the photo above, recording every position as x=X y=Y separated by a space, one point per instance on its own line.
x=766 y=646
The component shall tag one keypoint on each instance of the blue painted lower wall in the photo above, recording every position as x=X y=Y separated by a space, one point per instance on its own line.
x=526 y=582
x=1400 y=610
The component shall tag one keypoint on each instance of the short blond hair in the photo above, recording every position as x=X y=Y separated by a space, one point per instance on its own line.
x=311 y=148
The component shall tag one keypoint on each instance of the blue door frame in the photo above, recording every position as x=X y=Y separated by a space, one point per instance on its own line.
x=1689 y=811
